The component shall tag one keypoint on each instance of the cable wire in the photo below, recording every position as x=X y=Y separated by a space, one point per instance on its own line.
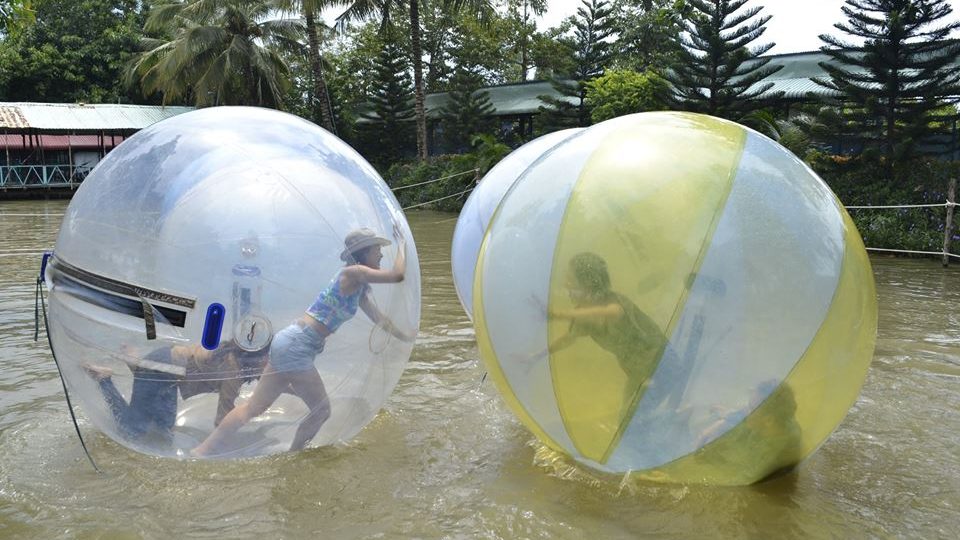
x=434 y=180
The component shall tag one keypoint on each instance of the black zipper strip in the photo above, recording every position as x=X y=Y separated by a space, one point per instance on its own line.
x=120 y=287
x=113 y=302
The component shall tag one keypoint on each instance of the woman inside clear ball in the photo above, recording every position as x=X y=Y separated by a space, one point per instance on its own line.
x=291 y=367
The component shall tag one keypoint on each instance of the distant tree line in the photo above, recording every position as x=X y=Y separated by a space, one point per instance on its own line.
x=893 y=69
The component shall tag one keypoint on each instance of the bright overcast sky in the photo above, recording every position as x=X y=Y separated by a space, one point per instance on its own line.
x=794 y=27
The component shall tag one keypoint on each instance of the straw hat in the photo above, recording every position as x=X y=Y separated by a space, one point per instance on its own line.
x=359 y=239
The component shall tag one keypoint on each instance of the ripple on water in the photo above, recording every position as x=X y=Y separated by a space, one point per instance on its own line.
x=446 y=459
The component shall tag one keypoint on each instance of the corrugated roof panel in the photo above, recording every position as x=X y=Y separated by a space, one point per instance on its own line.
x=507 y=100
x=10 y=117
x=69 y=116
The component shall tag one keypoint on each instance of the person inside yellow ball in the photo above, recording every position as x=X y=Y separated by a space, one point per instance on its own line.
x=611 y=320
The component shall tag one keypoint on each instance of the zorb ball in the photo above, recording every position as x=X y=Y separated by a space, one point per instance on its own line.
x=689 y=302
x=189 y=247
x=477 y=211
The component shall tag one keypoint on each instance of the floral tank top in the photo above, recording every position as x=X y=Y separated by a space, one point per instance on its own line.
x=332 y=308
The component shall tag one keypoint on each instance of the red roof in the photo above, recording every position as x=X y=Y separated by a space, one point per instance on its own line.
x=57 y=142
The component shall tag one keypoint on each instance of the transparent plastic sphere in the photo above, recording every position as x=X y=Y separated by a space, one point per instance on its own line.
x=480 y=206
x=197 y=242
x=691 y=302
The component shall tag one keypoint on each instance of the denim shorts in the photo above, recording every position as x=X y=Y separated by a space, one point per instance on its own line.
x=295 y=347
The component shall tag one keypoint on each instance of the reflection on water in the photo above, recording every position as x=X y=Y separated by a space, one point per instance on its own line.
x=446 y=459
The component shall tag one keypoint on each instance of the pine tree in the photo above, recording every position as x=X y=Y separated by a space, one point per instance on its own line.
x=893 y=81
x=469 y=111
x=387 y=135
x=717 y=72
x=593 y=26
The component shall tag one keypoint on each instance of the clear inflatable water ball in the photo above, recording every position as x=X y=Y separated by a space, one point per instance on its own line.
x=232 y=282
x=689 y=301
x=480 y=206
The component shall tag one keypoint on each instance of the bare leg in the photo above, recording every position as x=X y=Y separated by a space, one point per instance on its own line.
x=309 y=387
x=271 y=385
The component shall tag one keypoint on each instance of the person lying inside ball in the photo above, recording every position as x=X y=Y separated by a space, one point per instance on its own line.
x=294 y=348
x=159 y=375
x=611 y=320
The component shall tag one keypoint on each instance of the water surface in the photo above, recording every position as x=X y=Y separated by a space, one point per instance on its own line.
x=446 y=459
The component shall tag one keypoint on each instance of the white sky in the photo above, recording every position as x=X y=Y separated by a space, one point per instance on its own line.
x=794 y=27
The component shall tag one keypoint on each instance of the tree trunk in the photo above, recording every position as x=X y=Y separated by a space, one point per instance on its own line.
x=319 y=84
x=523 y=44
x=418 y=80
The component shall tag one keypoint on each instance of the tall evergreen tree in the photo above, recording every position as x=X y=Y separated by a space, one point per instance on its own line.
x=386 y=135
x=592 y=53
x=645 y=33
x=717 y=73
x=523 y=14
x=893 y=81
x=469 y=111
x=363 y=9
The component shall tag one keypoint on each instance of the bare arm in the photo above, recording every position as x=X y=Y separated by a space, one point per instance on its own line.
x=604 y=311
x=368 y=307
x=562 y=342
x=358 y=274
x=229 y=390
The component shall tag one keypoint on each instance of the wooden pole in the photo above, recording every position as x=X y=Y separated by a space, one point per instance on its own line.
x=6 y=146
x=948 y=226
x=70 y=158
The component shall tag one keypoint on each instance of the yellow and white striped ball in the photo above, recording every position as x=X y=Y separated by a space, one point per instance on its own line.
x=736 y=321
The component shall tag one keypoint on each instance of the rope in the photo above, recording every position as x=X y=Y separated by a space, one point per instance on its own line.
x=23 y=254
x=915 y=252
x=938 y=205
x=39 y=302
x=2 y=214
x=434 y=180
x=437 y=200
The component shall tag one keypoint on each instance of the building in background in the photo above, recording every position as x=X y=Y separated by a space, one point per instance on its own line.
x=51 y=147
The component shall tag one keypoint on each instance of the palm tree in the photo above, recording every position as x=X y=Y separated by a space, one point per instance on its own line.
x=364 y=9
x=311 y=9
x=216 y=52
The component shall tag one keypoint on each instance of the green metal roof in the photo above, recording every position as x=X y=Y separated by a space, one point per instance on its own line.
x=507 y=100
x=83 y=117
x=793 y=79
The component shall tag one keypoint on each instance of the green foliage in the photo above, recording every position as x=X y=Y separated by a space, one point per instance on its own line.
x=74 y=51
x=217 y=52
x=386 y=136
x=620 y=92
x=468 y=112
x=522 y=14
x=15 y=16
x=861 y=181
x=717 y=72
x=592 y=54
x=460 y=173
x=646 y=30
x=891 y=84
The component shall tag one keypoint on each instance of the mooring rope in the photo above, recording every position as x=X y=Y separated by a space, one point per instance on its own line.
x=434 y=180
x=468 y=190
x=41 y=306
x=937 y=205
x=915 y=252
